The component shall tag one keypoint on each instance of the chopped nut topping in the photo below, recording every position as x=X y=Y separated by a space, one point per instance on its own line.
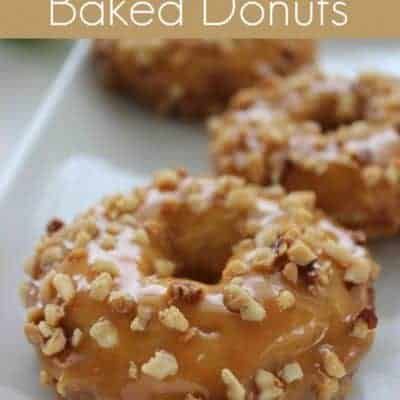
x=291 y=372
x=114 y=228
x=133 y=370
x=121 y=302
x=166 y=180
x=108 y=242
x=33 y=334
x=236 y=267
x=286 y=300
x=332 y=364
x=238 y=299
x=235 y=390
x=128 y=204
x=51 y=255
x=164 y=268
x=144 y=314
x=197 y=203
x=301 y=254
x=54 y=225
x=64 y=286
x=128 y=219
x=56 y=343
x=368 y=315
x=140 y=237
x=34 y=314
x=262 y=257
x=91 y=226
x=301 y=216
x=161 y=365
x=360 y=329
x=44 y=378
x=46 y=290
x=173 y=318
x=327 y=389
x=61 y=387
x=76 y=338
x=358 y=273
x=321 y=274
x=45 y=329
x=296 y=200
x=291 y=272
x=268 y=236
x=101 y=287
x=269 y=385
x=82 y=239
x=105 y=266
x=104 y=333
x=372 y=175
x=241 y=198
x=185 y=292
x=338 y=253
x=53 y=314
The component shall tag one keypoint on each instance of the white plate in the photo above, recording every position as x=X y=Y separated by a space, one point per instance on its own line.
x=84 y=142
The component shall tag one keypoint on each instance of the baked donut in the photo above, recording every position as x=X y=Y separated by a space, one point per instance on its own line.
x=335 y=136
x=195 y=78
x=200 y=288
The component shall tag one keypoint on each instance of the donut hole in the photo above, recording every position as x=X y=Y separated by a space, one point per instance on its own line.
x=201 y=245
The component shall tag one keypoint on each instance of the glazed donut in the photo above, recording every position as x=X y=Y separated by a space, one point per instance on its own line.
x=334 y=136
x=200 y=288
x=195 y=78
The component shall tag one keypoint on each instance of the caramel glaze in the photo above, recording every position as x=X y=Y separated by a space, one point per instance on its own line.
x=201 y=235
x=193 y=78
x=336 y=137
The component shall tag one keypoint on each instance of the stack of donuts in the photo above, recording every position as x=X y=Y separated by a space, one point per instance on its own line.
x=254 y=284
